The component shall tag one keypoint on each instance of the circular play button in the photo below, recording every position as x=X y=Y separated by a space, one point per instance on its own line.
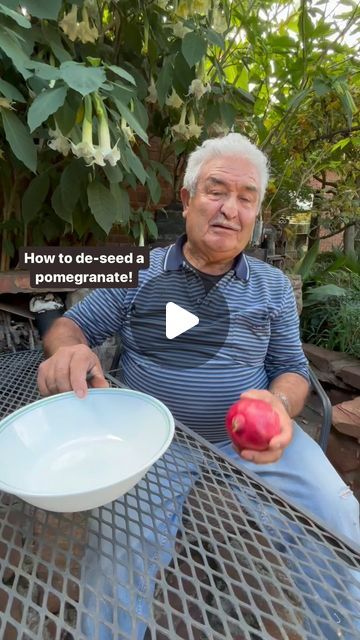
x=175 y=323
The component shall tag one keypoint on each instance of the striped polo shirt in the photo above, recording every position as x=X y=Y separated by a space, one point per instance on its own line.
x=262 y=341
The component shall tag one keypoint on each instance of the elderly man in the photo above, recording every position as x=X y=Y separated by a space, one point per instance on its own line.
x=249 y=345
x=260 y=355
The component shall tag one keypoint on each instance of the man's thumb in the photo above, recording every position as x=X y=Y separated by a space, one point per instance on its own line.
x=96 y=378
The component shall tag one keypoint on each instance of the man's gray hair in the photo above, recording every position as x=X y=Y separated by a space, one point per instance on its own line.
x=234 y=144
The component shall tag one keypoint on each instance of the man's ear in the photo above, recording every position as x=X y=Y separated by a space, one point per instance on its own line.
x=185 y=199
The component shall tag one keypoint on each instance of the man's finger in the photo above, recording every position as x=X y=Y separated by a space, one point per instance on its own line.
x=261 y=457
x=79 y=368
x=62 y=377
x=96 y=378
x=46 y=381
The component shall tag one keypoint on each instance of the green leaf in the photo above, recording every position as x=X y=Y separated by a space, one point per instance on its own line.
x=53 y=39
x=305 y=25
x=193 y=48
x=8 y=247
x=82 y=221
x=164 y=81
x=11 y=48
x=141 y=114
x=304 y=266
x=59 y=206
x=135 y=165
x=44 y=71
x=19 y=139
x=52 y=227
x=243 y=79
x=122 y=73
x=154 y=186
x=48 y=9
x=320 y=294
x=213 y=37
x=348 y=106
x=122 y=93
x=34 y=197
x=15 y=15
x=122 y=204
x=44 y=105
x=131 y=120
x=102 y=204
x=228 y=113
x=162 y=171
x=66 y=115
x=70 y=184
x=82 y=79
x=341 y=144
x=298 y=98
x=180 y=146
x=9 y=91
x=321 y=88
x=183 y=75
x=281 y=42
x=152 y=228
x=113 y=174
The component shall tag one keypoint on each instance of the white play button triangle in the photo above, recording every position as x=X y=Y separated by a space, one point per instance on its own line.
x=178 y=320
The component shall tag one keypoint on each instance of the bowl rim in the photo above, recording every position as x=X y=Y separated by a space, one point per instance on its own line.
x=6 y=422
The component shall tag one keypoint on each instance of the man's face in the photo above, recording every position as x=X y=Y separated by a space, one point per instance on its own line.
x=220 y=217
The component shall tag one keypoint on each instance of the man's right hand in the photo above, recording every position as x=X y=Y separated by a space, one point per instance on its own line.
x=68 y=369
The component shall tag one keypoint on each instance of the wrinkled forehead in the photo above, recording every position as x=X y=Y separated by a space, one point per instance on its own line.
x=234 y=169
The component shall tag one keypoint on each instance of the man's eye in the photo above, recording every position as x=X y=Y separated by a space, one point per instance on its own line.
x=217 y=193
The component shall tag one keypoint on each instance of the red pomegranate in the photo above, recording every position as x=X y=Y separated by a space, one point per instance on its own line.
x=251 y=423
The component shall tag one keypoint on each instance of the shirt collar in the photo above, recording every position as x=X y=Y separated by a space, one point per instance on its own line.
x=174 y=260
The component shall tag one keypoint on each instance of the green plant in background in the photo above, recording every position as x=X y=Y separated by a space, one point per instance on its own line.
x=331 y=300
x=86 y=86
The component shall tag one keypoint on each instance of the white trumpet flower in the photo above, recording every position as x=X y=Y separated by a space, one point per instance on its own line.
x=127 y=131
x=180 y=130
x=194 y=130
x=153 y=96
x=86 y=33
x=69 y=23
x=104 y=152
x=59 y=142
x=5 y=103
x=78 y=30
x=179 y=30
x=174 y=100
x=198 y=88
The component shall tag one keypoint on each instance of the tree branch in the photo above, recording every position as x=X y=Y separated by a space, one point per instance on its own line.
x=343 y=132
x=334 y=233
x=326 y=183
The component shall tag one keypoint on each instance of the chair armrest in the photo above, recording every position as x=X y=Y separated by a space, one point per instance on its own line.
x=327 y=410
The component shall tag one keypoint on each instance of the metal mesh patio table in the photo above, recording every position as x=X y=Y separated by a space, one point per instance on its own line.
x=237 y=561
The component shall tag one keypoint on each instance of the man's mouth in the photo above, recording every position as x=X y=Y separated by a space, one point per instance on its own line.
x=225 y=226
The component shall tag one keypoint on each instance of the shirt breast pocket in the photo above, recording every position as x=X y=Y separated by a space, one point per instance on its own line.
x=249 y=337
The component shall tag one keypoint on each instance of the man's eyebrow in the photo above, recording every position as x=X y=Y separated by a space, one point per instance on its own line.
x=212 y=181
x=251 y=187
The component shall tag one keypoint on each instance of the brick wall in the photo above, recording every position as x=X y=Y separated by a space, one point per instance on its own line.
x=139 y=196
x=330 y=243
x=337 y=240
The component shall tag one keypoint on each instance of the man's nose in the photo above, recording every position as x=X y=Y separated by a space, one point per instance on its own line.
x=230 y=207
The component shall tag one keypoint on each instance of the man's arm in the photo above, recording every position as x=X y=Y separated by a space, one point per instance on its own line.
x=292 y=389
x=63 y=333
x=70 y=361
x=71 y=364
x=287 y=371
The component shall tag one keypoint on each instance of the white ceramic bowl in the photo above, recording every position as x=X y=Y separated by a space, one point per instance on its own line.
x=66 y=454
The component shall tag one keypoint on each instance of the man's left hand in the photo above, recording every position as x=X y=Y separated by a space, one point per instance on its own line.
x=277 y=443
